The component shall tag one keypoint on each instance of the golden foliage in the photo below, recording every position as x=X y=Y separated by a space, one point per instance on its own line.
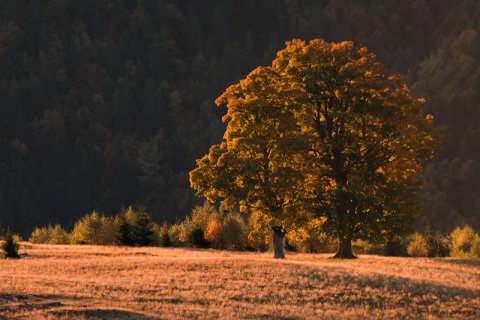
x=213 y=233
x=322 y=130
x=418 y=246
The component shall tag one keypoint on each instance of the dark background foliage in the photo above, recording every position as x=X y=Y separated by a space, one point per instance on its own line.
x=105 y=104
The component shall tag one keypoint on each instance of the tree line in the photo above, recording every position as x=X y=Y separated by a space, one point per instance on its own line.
x=108 y=104
x=205 y=227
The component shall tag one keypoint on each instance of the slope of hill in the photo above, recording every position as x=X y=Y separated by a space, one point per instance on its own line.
x=107 y=104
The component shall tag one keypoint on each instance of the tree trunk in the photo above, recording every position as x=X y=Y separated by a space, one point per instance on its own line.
x=344 y=249
x=278 y=235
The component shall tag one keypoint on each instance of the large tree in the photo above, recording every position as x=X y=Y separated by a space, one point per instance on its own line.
x=260 y=165
x=322 y=133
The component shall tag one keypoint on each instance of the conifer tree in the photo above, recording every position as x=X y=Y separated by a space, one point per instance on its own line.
x=165 y=237
x=125 y=231
x=10 y=247
x=196 y=239
x=143 y=229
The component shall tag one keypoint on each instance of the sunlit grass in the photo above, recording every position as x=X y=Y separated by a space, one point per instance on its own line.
x=113 y=282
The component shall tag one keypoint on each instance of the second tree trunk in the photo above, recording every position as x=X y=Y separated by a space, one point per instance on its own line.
x=278 y=235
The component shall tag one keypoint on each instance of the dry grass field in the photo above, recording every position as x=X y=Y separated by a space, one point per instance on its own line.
x=89 y=282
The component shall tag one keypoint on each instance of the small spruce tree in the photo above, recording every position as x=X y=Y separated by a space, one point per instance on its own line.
x=124 y=236
x=10 y=247
x=165 y=237
x=143 y=229
x=196 y=239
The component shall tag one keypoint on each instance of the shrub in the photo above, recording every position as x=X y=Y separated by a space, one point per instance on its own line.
x=462 y=241
x=156 y=235
x=88 y=230
x=438 y=245
x=395 y=247
x=214 y=233
x=108 y=234
x=192 y=235
x=233 y=231
x=164 y=237
x=475 y=250
x=374 y=248
x=197 y=223
x=259 y=238
x=186 y=228
x=49 y=235
x=10 y=246
x=196 y=239
x=362 y=247
x=40 y=235
x=321 y=242
x=202 y=215
x=58 y=235
x=174 y=234
x=418 y=246
x=310 y=239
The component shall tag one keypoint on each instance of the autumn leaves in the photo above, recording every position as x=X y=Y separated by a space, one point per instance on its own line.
x=322 y=130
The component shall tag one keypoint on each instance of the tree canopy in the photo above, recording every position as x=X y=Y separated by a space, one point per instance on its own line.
x=323 y=133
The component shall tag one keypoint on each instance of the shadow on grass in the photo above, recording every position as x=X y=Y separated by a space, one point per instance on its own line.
x=461 y=262
x=100 y=314
x=18 y=306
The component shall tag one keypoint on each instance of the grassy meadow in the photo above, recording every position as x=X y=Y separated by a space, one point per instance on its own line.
x=101 y=282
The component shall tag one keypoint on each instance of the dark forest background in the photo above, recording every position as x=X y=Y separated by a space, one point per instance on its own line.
x=106 y=104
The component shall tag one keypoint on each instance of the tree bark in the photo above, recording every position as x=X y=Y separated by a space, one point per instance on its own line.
x=278 y=235
x=344 y=249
